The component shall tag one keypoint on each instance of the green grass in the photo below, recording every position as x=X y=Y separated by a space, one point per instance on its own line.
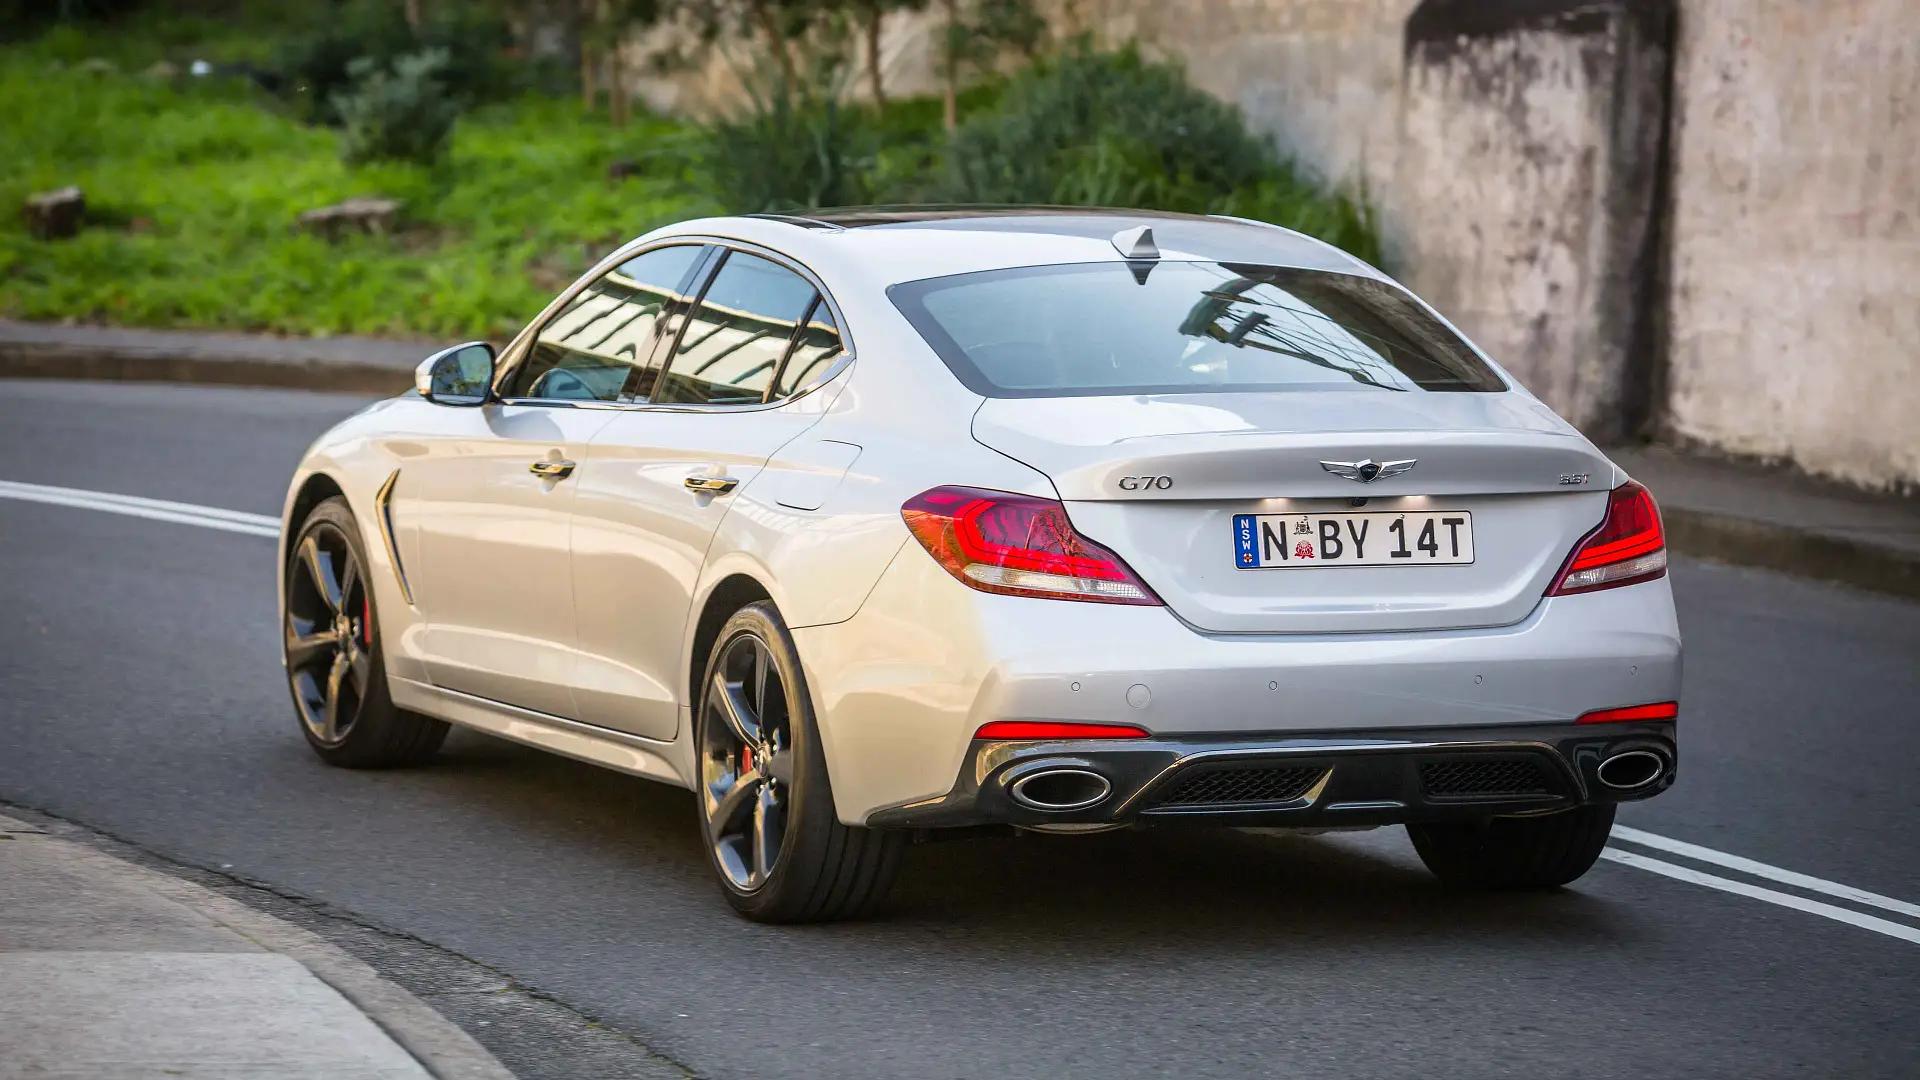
x=193 y=186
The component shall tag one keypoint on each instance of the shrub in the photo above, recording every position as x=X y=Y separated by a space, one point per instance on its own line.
x=402 y=114
x=19 y=19
x=1115 y=129
x=315 y=66
x=794 y=144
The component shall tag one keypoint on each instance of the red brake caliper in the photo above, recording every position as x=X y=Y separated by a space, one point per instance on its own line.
x=366 y=620
x=746 y=759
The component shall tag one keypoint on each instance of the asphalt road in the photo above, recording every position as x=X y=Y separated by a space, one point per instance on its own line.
x=140 y=694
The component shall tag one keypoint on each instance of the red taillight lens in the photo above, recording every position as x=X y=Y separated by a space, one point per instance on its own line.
x=1047 y=729
x=999 y=542
x=1659 y=710
x=1628 y=546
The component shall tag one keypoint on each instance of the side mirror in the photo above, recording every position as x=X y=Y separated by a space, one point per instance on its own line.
x=460 y=376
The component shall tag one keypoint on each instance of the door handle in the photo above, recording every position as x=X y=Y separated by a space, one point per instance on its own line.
x=551 y=470
x=711 y=485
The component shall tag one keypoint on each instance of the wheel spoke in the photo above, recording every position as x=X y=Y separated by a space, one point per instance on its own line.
x=359 y=665
x=768 y=826
x=320 y=571
x=330 y=712
x=735 y=802
x=304 y=649
x=759 y=678
x=731 y=701
x=349 y=576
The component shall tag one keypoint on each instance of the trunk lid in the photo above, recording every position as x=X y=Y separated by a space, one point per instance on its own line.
x=1160 y=479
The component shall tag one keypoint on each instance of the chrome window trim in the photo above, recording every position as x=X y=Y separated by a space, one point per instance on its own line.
x=516 y=349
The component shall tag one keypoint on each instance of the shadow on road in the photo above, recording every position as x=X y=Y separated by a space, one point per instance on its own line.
x=1044 y=897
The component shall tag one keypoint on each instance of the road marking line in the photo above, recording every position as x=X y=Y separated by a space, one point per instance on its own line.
x=1771 y=896
x=1763 y=870
x=139 y=500
x=207 y=517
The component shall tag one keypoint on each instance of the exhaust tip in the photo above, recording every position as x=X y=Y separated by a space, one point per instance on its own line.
x=1631 y=770
x=1056 y=791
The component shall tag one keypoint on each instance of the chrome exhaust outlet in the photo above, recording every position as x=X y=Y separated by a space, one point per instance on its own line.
x=1631 y=770
x=1057 y=791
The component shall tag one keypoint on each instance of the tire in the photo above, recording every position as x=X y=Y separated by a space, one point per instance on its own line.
x=1515 y=852
x=336 y=665
x=765 y=804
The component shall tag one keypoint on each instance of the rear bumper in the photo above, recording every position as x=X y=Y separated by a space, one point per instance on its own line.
x=1323 y=780
x=901 y=687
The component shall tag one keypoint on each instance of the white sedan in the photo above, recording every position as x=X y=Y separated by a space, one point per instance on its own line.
x=879 y=523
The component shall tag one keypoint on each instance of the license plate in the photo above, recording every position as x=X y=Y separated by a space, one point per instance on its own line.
x=1297 y=541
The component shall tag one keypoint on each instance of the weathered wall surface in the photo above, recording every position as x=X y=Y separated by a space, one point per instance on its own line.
x=1510 y=148
x=1795 y=303
x=1525 y=191
x=1513 y=164
x=1322 y=77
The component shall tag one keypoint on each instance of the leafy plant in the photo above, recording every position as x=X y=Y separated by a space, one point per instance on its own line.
x=1113 y=128
x=794 y=144
x=402 y=114
x=315 y=65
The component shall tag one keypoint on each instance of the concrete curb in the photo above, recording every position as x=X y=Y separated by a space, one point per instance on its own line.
x=1750 y=542
x=355 y=365
x=439 y=1045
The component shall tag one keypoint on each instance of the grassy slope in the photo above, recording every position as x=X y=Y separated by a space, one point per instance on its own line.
x=194 y=186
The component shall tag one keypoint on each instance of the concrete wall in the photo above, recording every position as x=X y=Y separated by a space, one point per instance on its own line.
x=1525 y=193
x=1321 y=77
x=1757 y=291
x=1795 y=302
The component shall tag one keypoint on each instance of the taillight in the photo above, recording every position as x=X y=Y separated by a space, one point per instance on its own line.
x=1051 y=729
x=999 y=542
x=1628 y=546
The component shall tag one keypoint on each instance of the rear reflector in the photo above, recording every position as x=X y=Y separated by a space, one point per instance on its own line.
x=999 y=542
x=1047 y=729
x=1659 y=710
x=1628 y=546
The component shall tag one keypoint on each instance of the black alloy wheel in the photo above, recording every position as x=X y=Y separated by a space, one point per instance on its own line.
x=331 y=643
x=778 y=848
x=746 y=762
x=329 y=633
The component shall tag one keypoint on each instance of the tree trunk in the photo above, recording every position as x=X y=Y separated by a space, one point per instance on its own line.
x=578 y=26
x=763 y=14
x=950 y=103
x=616 y=87
x=412 y=9
x=874 y=80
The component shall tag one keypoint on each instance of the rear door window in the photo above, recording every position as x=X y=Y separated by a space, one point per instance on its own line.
x=1087 y=329
x=814 y=351
x=738 y=335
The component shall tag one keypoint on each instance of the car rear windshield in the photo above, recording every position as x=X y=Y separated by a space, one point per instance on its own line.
x=1087 y=329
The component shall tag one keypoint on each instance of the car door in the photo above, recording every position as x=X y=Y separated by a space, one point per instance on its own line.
x=658 y=479
x=491 y=504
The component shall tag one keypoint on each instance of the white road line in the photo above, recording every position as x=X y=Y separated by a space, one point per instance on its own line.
x=1755 y=892
x=1762 y=870
x=207 y=517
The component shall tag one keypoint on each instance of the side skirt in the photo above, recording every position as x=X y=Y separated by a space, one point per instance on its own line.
x=617 y=750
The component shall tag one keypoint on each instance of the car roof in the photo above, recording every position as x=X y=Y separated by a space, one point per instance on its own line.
x=883 y=245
